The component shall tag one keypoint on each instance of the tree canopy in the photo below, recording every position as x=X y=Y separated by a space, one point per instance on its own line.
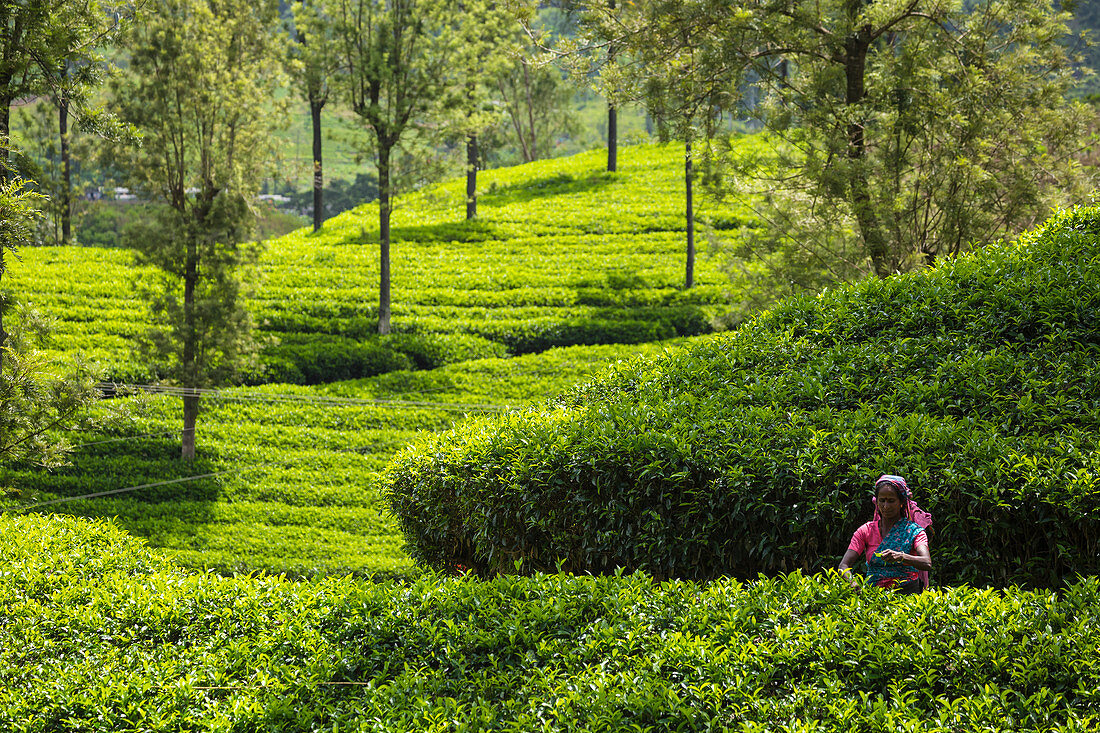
x=905 y=130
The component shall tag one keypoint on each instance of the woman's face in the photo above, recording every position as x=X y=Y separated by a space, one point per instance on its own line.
x=888 y=504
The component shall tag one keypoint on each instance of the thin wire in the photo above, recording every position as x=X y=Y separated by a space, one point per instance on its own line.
x=283 y=397
x=268 y=686
x=132 y=437
x=111 y=492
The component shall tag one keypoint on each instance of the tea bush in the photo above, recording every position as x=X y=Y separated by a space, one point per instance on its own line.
x=99 y=634
x=756 y=451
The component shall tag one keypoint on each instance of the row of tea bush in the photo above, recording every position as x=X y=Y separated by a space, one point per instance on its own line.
x=522 y=278
x=756 y=451
x=100 y=634
x=293 y=471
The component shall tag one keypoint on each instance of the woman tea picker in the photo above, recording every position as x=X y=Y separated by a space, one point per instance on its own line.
x=894 y=543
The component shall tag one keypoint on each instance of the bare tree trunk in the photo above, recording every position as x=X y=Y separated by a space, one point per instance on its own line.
x=66 y=172
x=471 y=177
x=689 y=175
x=533 y=148
x=315 y=106
x=190 y=417
x=190 y=350
x=513 y=112
x=612 y=117
x=384 y=238
x=5 y=175
x=612 y=138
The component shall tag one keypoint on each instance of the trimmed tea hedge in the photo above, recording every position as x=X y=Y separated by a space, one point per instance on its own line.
x=99 y=634
x=755 y=451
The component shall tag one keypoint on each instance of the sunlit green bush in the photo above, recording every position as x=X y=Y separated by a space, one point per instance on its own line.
x=755 y=451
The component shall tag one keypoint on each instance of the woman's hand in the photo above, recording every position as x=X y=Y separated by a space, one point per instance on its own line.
x=893 y=556
x=850 y=556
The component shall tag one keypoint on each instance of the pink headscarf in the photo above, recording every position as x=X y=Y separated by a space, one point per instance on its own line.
x=910 y=508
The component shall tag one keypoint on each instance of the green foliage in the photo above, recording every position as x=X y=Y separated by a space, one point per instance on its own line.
x=754 y=452
x=912 y=130
x=101 y=634
x=37 y=395
x=201 y=333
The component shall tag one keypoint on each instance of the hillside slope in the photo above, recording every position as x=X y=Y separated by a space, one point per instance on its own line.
x=285 y=480
x=562 y=253
x=755 y=451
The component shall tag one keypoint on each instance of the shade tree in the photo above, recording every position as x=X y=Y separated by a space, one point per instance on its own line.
x=313 y=65
x=201 y=86
x=905 y=130
x=396 y=59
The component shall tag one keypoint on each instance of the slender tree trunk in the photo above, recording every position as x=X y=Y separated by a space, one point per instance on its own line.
x=612 y=138
x=612 y=117
x=190 y=350
x=5 y=175
x=190 y=417
x=533 y=147
x=66 y=172
x=315 y=106
x=471 y=177
x=689 y=176
x=384 y=238
x=870 y=227
x=513 y=113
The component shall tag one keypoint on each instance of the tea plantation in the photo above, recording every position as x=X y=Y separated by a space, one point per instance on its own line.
x=699 y=460
x=562 y=253
x=754 y=451
x=488 y=315
x=99 y=634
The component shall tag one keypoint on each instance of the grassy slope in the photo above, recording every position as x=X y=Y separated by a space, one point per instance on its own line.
x=313 y=504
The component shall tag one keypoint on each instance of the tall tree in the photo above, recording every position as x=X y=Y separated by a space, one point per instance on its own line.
x=201 y=87
x=314 y=65
x=37 y=39
x=396 y=57
x=907 y=129
x=684 y=106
